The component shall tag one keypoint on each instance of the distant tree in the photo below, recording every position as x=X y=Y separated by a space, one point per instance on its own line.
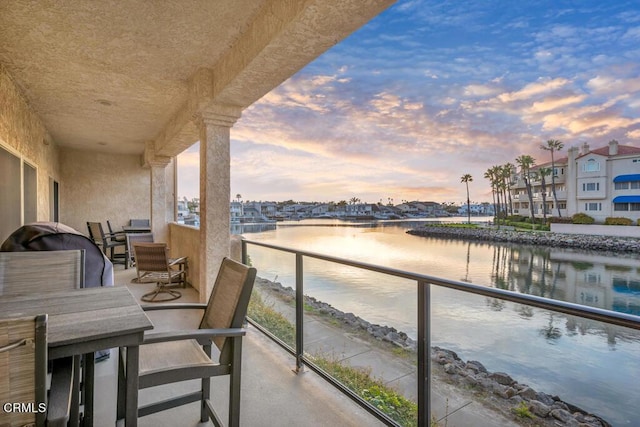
x=354 y=200
x=466 y=178
x=553 y=145
x=526 y=162
x=238 y=197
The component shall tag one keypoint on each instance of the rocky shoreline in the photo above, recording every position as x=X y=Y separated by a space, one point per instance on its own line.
x=558 y=240
x=550 y=410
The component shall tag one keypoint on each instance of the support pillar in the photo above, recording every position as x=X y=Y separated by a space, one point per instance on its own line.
x=215 y=192
x=159 y=191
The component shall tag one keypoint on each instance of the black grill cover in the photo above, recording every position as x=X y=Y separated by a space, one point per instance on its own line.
x=54 y=236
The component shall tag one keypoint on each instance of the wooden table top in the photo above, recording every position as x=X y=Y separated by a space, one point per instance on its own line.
x=81 y=315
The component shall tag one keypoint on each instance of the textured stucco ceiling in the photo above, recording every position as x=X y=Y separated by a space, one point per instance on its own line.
x=111 y=75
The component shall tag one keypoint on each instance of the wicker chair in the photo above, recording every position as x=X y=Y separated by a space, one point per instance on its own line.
x=23 y=375
x=168 y=357
x=154 y=266
x=136 y=238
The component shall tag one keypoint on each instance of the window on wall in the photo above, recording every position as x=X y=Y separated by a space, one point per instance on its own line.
x=593 y=206
x=634 y=206
x=591 y=165
x=10 y=199
x=591 y=186
x=29 y=194
x=621 y=186
x=621 y=206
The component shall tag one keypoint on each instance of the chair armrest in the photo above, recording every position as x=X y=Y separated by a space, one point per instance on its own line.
x=197 y=334
x=60 y=393
x=179 y=306
x=176 y=261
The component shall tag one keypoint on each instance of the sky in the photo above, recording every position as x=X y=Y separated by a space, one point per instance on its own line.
x=431 y=90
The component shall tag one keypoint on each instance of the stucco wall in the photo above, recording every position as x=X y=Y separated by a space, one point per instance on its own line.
x=599 y=230
x=99 y=187
x=184 y=240
x=23 y=134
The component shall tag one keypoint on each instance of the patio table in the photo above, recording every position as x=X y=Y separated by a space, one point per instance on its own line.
x=82 y=321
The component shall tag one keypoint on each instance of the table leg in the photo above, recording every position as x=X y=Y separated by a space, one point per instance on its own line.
x=133 y=353
x=74 y=413
x=89 y=383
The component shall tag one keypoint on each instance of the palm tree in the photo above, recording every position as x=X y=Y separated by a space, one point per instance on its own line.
x=525 y=162
x=490 y=174
x=553 y=145
x=466 y=178
x=543 y=173
x=507 y=172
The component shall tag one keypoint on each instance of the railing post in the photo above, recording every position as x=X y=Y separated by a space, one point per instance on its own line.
x=245 y=254
x=424 y=354
x=299 y=313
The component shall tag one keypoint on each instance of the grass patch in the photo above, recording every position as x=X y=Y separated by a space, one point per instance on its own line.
x=360 y=380
x=371 y=389
x=269 y=318
x=453 y=225
x=522 y=411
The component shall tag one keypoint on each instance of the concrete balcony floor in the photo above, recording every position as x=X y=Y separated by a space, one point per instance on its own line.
x=272 y=394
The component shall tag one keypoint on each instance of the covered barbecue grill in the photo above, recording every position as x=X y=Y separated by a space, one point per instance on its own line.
x=54 y=236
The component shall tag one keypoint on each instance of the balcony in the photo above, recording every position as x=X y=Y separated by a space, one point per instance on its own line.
x=271 y=392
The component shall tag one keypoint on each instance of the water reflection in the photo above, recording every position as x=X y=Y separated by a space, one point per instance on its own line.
x=592 y=364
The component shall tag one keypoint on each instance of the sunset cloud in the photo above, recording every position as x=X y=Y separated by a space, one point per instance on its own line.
x=429 y=91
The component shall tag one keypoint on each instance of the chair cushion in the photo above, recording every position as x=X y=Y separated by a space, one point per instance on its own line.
x=173 y=354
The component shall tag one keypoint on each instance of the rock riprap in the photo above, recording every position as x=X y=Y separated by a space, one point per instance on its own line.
x=557 y=240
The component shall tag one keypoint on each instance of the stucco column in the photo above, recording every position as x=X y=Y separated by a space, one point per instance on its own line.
x=159 y=191
x=215 y=192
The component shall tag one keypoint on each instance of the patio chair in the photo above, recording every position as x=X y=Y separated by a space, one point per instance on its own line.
x=41 y=272
x=139 y=223
x=154 y=266
x=168 y=357
x=107 y=241
x=38 y=271
x=136 y=238
x=117 y=235
x=23 y=375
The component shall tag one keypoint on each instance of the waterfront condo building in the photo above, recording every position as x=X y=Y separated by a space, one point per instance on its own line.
x=604 y=182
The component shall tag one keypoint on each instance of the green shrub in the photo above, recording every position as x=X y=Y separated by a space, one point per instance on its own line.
x=515 y=218
x=613 y=220
x=581 y=218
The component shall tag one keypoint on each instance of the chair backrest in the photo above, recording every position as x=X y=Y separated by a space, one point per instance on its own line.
x=23 y=368
x=96 y=233
x=227 y=307
x=151 y=257
x=109 y=227
x=137 y=238
x=139 y=223
x=41 y=271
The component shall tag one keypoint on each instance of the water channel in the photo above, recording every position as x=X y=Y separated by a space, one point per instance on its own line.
x=591 y=365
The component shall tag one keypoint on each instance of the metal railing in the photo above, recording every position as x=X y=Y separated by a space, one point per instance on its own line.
x=423 y=308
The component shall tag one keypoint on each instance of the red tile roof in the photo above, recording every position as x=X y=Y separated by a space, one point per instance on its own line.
x=623 y=150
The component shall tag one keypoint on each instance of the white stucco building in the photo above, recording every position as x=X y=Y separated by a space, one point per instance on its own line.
x=603 y=182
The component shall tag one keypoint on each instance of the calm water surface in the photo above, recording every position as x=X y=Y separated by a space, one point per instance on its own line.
x=591 y=365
